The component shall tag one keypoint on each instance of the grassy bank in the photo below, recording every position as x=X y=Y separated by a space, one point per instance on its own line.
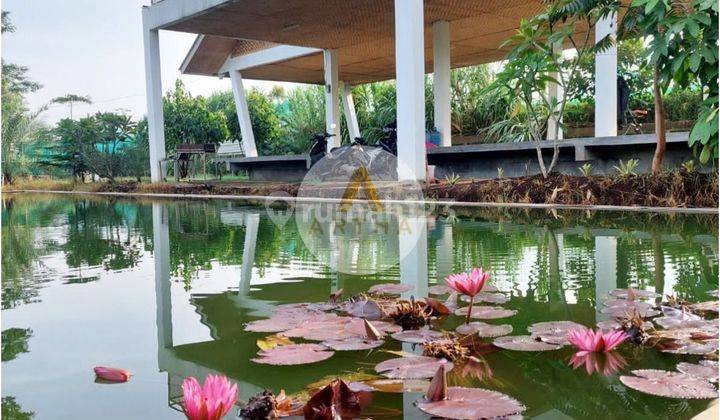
x=670 y=189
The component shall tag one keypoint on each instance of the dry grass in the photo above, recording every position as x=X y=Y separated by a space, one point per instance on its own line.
x=669 y=189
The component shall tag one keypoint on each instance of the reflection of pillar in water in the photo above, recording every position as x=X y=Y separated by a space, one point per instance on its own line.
x=161 y=255
x=334 y=258
x=252 y=221
x=605 y=271
x=444 y=255
x=412 y=235
x=560 y=240
x=556 y=293
x=659 y=262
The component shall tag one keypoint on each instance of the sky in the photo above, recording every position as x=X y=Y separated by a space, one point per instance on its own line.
x=95 y=48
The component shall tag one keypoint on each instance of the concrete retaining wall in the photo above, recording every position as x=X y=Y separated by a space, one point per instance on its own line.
x=515 y=159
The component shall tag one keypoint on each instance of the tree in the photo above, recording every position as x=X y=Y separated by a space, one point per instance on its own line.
x=263 y=119
x=683 y=50
x=71 y=98
x=20 y=126
x=105 y=151
x=189 y=120
x=66 y=152
x=534 y=62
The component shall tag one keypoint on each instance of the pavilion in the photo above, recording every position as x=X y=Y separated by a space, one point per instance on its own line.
x=341 y=43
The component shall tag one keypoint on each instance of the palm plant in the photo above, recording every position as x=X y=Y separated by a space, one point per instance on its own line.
x=71 y=98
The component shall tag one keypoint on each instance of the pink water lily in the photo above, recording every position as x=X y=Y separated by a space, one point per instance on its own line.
x=211 y=401
x=590 y=341
x=112 y=374
x=469 y=284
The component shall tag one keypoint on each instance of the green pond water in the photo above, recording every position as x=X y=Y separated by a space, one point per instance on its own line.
x=164 y=289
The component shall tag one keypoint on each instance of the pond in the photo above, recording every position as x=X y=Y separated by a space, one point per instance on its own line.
x=165 y=288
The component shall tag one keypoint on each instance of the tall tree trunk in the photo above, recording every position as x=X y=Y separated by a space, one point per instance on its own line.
x=659 y=123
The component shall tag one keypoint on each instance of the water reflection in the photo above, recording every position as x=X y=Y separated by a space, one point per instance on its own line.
x=218 y=265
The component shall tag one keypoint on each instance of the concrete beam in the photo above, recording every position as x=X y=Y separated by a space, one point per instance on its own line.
x=153 y=94
x=441 y=81
x=410 y=82
x=264 y=57
x=168 y=12
x=332 y=104
x=243 y=114
x=606 y=81
x=349 y=109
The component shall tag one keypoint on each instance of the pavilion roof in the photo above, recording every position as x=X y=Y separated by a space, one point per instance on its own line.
x=361 y=31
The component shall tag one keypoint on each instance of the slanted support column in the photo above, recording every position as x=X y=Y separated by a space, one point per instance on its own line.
x=243 y=114
x=554 y=92
x=606 y=80
x=441 y=81
x=349 y=109
x=332 y=106
x=410 y=75
x=153 y=93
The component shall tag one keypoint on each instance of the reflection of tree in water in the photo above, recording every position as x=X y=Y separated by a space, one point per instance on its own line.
x=14 y=342
x=11 y=410
x=98 y=235
x=96 y=232
x=198 y=237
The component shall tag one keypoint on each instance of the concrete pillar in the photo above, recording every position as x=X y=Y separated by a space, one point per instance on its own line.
x=252 y=222
x=153 y=94
x=349 y=109
x=161 y=256
x=441 y=81
x=606 y=81
x=410 y=76
x=243 y=114
x=605 y=271
x=554 y=92
x=332 y=106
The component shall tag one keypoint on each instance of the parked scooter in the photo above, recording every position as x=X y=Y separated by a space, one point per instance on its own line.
x=318 y=149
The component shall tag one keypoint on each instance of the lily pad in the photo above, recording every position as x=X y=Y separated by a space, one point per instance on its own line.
x=354 y=343
x=622 y=312
x=472 y=403
x=611 y=325
x=293 y=354
x=356 y=327
x=638 y=294
x=524 y=343
x=368 y=309
x=554 y=332
x=706 y=369
x=415 y=367
x=693 y=347
x=710 y=306
x=669 y=384
x=486 y=312
x=389 y=289
x=487 y=297
x=438 y=289
x=399 y=385
x=675 y=318
x=417 y=336
x=483 y=329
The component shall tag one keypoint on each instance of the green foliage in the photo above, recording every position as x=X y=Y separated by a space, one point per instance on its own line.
x=534 y=62
x=305 y=116
x=683 y=37
x=627 y=169
x=452 y=179
x=188 y=120
x=263 y=117
x=689 y=166
x=586 y=169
